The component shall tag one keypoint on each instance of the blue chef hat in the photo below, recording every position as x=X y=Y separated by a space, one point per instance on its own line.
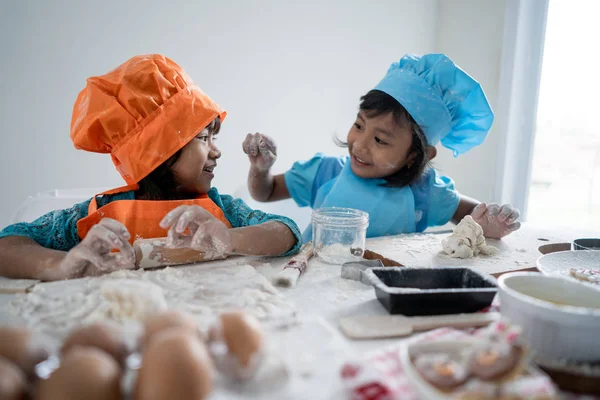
x=448 y=104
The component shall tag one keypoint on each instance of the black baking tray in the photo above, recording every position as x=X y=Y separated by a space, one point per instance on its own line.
x=432 y=291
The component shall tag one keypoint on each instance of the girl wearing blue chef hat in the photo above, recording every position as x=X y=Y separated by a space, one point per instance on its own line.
x=420 y=102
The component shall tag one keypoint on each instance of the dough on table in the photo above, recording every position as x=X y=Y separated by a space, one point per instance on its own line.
x=467 y=240
x=129 y=299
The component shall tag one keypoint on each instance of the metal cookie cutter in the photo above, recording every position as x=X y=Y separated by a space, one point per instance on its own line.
x=355 y=270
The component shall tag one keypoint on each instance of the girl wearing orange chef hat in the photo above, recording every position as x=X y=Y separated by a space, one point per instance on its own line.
x=160 y=130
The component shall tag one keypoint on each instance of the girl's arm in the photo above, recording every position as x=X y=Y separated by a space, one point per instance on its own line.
x=271 y=238
x=254 y=232
x=496 y=221
x=265 y=187
x=262 y=185
x=465 y=207
x=24 y=258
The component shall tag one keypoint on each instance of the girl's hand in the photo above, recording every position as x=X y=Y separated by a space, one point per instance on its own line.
x=261 y=151
x=94 y=256
x=196 y=228
x=496 y=221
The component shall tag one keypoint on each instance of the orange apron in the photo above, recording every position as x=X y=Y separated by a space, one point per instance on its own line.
x=141 y=217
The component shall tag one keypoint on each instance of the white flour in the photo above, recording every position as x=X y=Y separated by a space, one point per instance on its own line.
x=337 y=254
x=127 y=296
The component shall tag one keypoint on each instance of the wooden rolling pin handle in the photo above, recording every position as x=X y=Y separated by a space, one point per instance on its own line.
x=154 y=253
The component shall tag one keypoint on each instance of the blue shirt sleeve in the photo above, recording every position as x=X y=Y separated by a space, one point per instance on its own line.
x=239 y=214
x=58 y=229
x=305 y=178
x=443 y=199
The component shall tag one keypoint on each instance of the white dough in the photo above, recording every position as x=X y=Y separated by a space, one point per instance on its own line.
x=129 y=299
x=467 y=240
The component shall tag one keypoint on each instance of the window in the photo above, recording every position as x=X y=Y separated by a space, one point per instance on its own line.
x=565 y=178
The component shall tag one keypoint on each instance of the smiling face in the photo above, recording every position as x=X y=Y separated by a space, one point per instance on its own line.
x=194 y=169
x=378 y=146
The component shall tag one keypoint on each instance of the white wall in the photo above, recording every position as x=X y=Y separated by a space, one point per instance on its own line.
x=294 y=70
x=471 y=32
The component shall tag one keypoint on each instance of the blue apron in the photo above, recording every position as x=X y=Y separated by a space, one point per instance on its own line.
x=391 y=210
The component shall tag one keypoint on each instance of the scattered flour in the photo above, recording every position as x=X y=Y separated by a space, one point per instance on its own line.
x=127 y=296
x=467 y=240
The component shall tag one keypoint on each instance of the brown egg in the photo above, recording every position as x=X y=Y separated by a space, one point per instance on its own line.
x=106 y=336
x=242 y=335
x=13 y=383
x=168 y=319
x=22 y=347
x=175 y=365
x=84 y=373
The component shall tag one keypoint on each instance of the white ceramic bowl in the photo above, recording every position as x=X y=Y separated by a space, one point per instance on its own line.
x=560 y=318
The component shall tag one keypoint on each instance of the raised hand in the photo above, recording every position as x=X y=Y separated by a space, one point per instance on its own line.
x=261 y=151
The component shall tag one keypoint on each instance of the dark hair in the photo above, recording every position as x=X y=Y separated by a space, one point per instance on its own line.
x=162 y=184
x=376 y=103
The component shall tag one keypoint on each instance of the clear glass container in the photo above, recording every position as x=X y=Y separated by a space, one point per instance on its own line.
x=339 y=234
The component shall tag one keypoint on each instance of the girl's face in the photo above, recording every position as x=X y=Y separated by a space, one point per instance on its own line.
x=194 y=169
x=378 y=147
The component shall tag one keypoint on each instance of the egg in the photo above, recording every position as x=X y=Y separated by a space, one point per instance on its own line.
x=175 y=365
x=106 y=336
x=22 y=347
x=168 y=319
x=13 y=383
x=243 y=337
x=84 y=373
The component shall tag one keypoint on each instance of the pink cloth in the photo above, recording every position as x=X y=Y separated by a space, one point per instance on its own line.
x=381 y=375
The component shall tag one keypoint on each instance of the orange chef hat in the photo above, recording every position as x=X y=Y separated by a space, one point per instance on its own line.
x=141 y=113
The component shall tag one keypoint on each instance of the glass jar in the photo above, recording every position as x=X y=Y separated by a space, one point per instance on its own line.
x=339 y=234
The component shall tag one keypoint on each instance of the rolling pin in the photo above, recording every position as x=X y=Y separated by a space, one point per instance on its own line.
x=154 y=253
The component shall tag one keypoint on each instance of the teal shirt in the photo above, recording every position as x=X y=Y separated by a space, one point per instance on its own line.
x=58 y=229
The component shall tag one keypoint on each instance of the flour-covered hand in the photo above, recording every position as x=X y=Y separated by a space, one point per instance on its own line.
x=194 y=227
x=94 y=254
x=261 y=151
x=497 y=221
